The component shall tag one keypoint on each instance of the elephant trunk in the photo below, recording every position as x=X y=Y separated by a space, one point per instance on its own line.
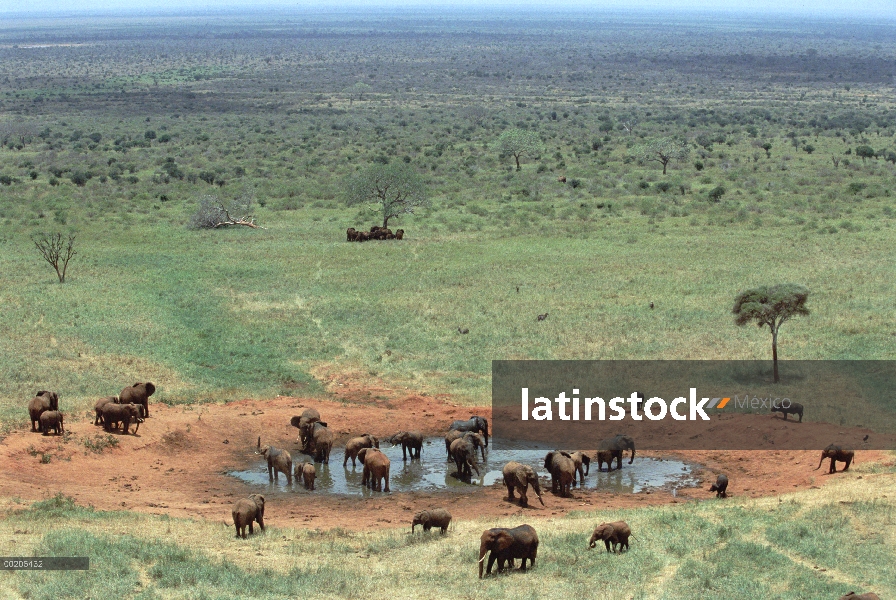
x=482 y=551
x=537 y=489
x=482 y=449
x=632 y=459
x=819 y=462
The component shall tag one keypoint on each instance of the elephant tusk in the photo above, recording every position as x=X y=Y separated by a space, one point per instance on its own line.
x=482 y=559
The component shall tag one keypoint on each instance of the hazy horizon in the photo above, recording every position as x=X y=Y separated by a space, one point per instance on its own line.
x=833 y=8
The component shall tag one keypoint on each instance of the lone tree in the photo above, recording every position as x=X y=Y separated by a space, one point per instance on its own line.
x=517 y=142
x=55 y=250
x=772 y=306
x=865 y=152
x=214 y=213
x=397 y=188
x=664 y=151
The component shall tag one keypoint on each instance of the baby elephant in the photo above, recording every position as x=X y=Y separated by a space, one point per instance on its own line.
x=51 y=419
x=795 y=408
x=307 y=473
x=720 y=486
x=247 y=510
x=611 y=533
x=434 y=517
x=855 y=596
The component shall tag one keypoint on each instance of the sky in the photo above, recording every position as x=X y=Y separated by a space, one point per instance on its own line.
x=855 y=8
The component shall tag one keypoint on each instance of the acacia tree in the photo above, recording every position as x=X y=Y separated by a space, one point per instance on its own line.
x=56 y=250
x=397 y=188
x=773 y=306
x=517 y=142
x=664 y=151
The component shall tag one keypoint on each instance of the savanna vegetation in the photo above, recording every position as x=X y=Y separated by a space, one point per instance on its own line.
x=665 y=161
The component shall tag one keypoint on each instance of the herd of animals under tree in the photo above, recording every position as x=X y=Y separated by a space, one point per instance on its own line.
x=502 y=545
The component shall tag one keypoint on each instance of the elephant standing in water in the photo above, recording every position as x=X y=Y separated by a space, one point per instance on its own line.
x=562 y=469
x=376 y=469
x=305 y=423
x=411 y=443
x=505 y=545
x=583 y=465
x=355 y=444
x=616 y=446
x=519 y=477
x=454 y=434
x=475 y=423
x=463 y=451
x=835 y=453
x=279 y=461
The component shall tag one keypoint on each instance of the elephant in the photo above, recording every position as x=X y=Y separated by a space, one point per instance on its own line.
x=353 y=445
x=611 y=533
x=138 y=393
x=835 y=453
x=795 y=408
x=411 y=443
x=98 y=407
x=519 y=476
x=350 y=234
x=51 y=419
x=304 y=424
x=604 y=456
x=865 y=596
x=720 y=486
x=279 y=461
x=434 y=517
x=453 y=434
x=113 y=414
x=42 y=402
x=307 y=473
x=476 y=439
x=247 y=510
x=505 y=545
x=376 y=468
x=463 y=451
x=475 y=424
x=562 y=469
x=617 y=445
x=583 y=465
x=321 y=441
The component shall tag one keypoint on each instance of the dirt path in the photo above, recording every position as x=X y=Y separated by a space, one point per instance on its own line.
x=177 y=464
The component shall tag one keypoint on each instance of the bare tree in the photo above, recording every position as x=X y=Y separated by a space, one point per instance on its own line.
x=663 y=151
x=214 y=213
x=56 y=250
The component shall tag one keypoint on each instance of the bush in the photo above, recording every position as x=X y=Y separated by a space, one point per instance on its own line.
x=698 y=165
x=716 y=193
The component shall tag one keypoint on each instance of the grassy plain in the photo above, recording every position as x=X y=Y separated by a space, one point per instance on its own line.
x=114 y=128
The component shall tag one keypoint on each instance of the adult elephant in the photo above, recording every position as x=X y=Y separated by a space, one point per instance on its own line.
x=376 y=469
x=519 y=477
x=357 y=443
x=583 y=465
x=113 y=414
x=562 y=469
x=612 y=534
x=98 y=408
x=51 y=419
x=463 y=451
x=138 y=393
x=305 y=423
x=616 y=446
x=475 y=438
x=836 y=453
x=279 y=461
x=604 y=456
x=247 y=510
x=42 y=402
x=411 y=443
x=505 y=545
x=321 y=441
x=476 y=424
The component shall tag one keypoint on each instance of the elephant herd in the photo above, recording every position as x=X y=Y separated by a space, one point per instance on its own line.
x=112 y=412
x=375 y=233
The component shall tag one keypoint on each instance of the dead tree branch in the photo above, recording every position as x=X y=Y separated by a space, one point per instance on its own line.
x=55 y=250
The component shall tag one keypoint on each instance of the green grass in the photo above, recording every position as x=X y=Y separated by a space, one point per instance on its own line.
x=812 y=544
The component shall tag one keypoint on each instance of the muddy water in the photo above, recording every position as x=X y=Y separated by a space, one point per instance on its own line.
x=434 y=472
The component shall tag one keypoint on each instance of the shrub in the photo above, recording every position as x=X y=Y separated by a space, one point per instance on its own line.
x=716 y=193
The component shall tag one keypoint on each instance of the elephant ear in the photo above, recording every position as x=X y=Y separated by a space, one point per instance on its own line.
x=503 y=541
x=566 y=454
x=585 y=460
x=522 y=476
x=323 y=424
x=150 y=388
x=41 y=392
x=362 y=453
x=295 y=421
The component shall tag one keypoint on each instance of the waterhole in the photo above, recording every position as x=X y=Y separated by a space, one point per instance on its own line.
x=435 y=472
